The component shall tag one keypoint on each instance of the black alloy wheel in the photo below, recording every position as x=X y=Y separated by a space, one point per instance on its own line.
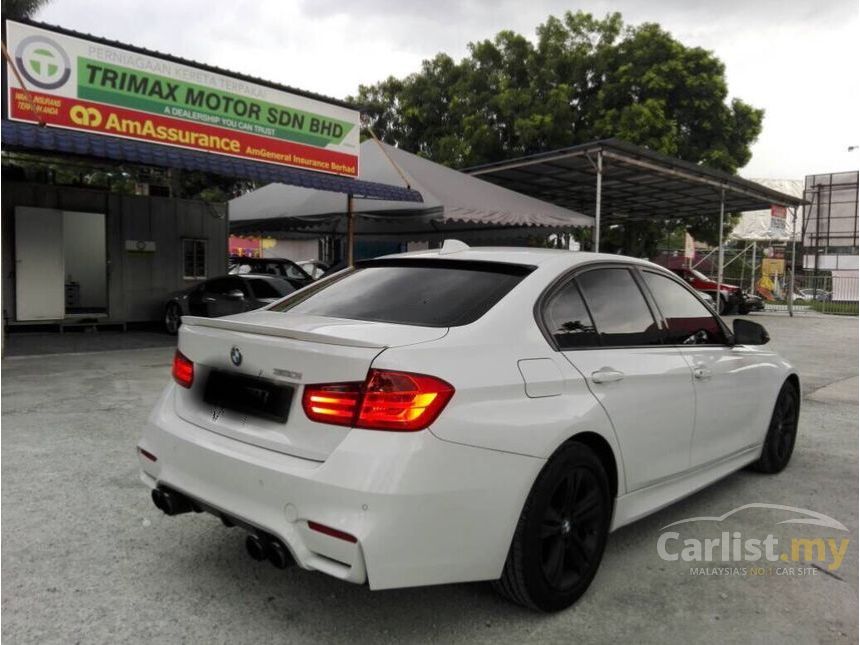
x=570 y=529
x=782 y=432
x=561 y=534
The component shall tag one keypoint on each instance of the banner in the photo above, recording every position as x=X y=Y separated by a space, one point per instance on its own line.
x=689 y=246
x=778 y=219
x=87 y=85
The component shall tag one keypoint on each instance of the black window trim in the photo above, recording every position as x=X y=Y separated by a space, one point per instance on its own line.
x=571 y=274
x=488 y=266
x=675 y=278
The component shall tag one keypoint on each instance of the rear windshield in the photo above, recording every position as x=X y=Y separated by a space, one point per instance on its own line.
x=434 y=293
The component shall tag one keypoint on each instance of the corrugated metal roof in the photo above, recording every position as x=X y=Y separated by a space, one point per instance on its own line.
x=637 y=183
x=57 y=140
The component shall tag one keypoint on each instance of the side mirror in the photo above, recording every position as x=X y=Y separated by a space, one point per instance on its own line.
x=747 y=332
x=235 y=294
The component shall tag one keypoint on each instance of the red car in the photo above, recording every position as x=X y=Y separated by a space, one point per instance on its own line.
x=732 y=299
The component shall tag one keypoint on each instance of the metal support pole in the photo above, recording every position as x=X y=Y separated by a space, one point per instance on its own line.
x=790 y=272
x=350 y=231
x=720 y=254
x=752 y=277
x=597 y=201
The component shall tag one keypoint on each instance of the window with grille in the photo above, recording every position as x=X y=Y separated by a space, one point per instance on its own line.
x=193 y=259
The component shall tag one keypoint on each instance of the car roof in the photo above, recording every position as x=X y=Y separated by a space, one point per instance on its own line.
x=260 y=276
x=241 y=258
x=521 y=255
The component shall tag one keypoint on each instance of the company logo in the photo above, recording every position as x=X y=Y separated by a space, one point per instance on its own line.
x=43 y=62
x=236 y=356
x=740 y=553
x=86 y=116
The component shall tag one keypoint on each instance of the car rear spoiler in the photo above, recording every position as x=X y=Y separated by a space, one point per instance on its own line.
x=269 y=330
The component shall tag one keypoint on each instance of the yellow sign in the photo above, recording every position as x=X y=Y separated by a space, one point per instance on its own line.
x=773 y=266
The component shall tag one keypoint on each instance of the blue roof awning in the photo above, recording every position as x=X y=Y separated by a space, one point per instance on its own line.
x=58 y=140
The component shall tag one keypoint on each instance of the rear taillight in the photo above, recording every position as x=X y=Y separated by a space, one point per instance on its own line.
x=183 y=369
x=387 y=400
x=332 y=403
x=402 y=401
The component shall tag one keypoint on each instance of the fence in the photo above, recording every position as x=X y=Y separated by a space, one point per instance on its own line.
x=757 y=269
x=831 y=293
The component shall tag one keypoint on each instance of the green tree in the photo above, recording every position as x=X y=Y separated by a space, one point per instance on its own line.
x=21 y=8
x=583 y=78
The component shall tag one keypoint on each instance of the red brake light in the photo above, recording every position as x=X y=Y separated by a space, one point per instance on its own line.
x=183 y=369
x=332 y=403
x=402 y=401
x=387 y=400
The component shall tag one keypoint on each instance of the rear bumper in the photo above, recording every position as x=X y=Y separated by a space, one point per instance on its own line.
x=424 y=511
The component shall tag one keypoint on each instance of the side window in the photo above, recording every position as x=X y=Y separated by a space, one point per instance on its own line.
x=193 y=259
x=269 y=288
x=690 y=322
x=269 y=268
x=222 y=286
x=568 y=320
x=619 y=309
x=294 y=272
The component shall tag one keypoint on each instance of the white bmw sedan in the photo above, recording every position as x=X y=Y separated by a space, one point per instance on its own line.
x=464 y=414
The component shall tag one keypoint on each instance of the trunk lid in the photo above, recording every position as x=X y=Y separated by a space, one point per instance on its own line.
x=264 y=358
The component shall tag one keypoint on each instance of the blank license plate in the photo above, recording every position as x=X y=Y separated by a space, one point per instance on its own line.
x=250 y=395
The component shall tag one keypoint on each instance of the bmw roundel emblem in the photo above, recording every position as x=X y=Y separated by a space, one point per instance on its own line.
x=236 y=356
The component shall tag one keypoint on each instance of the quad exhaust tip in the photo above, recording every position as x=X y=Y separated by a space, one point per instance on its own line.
x=171 y=503
x=268 y=548
x=260 y=546
x=255 y=548
x=278 y=554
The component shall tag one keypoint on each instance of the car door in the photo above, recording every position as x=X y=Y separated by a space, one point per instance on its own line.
x=604 y=326
x=728 y=380
x=225 y=296
x=195 y=300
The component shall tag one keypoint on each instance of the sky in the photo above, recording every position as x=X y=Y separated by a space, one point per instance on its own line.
x=797 y=59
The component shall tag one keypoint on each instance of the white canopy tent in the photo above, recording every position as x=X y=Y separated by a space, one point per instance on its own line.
x=760 y=226
x=454 y=203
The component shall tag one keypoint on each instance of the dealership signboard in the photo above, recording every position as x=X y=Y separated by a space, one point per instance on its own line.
x=85 y=84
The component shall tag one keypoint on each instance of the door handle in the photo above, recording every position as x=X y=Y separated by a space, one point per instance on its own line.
x=208 y=299
x=701 y=373
x=606 y=375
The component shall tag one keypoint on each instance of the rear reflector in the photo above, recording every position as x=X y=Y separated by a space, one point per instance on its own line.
x=387 y=400
x=340 y=535
x=147 y=454
x=183 y=369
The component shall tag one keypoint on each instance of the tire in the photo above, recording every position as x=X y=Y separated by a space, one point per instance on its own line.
x=722 y=305
x=561 y=533
x=172 y=318
x=782 y=432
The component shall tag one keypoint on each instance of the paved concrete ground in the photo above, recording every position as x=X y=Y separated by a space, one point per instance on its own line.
x=23 y=343
x=87 y=558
